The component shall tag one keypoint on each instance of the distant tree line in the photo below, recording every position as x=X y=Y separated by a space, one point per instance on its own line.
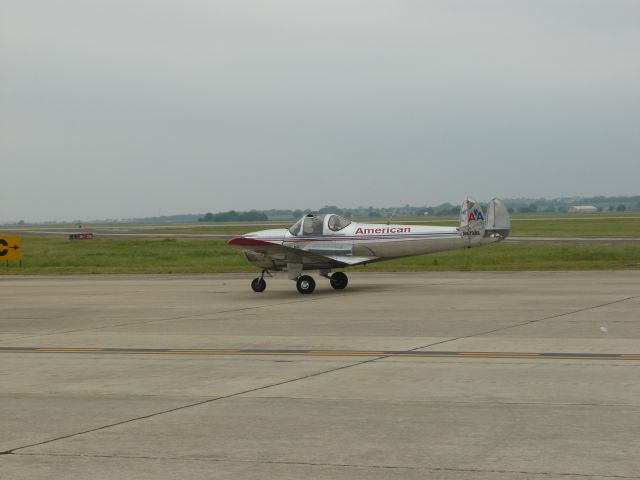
x=234 y=216
x=561 y=205
x=515 y=205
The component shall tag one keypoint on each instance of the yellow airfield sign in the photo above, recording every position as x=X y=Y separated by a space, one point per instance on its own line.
x=10 y=247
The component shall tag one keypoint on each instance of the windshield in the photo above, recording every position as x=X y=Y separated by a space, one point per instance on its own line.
x=336 y=222
x=295 y=228
x=313 y=224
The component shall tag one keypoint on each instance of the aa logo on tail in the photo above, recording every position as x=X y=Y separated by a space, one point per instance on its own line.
x=476 y=214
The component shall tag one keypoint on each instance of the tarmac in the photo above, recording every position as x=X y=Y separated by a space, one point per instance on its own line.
x=525 y=375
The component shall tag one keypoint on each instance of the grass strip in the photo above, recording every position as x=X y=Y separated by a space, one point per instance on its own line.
x=57 y=255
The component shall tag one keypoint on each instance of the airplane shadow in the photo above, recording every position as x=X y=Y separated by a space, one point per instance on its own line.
x=320 y=292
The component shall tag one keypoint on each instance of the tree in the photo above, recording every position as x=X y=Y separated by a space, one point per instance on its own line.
x=443 y=209
x=330 y=209
x=233 y=216
x=621 y=208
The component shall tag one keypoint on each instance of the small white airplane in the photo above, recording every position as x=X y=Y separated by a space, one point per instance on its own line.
x=328 y=241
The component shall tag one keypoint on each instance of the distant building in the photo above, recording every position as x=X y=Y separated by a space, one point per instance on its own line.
x=583 y=209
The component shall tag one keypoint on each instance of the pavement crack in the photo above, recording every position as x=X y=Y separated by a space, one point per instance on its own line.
x=184 y=407
x=528 y=322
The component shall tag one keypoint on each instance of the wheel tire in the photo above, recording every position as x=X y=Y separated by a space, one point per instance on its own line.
x=258 y=284
x=306 y=284
x=339 y=280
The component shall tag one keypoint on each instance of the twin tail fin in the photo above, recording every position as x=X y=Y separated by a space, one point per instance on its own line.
x=475 y=225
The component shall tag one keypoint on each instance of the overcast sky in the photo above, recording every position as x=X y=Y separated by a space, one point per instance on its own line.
x=129 y=108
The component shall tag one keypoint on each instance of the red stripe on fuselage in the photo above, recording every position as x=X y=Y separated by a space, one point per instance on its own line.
x=254 y=242
x=312 y=238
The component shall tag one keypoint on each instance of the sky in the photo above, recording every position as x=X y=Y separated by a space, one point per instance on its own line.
x=132 y=108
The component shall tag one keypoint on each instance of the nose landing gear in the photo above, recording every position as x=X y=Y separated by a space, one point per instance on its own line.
x=259 y=284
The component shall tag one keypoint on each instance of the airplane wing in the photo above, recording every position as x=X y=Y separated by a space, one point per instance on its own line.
x=286 y=254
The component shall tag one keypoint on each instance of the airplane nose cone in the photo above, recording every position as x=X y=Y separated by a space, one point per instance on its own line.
x=246 y=242
x=235 y=241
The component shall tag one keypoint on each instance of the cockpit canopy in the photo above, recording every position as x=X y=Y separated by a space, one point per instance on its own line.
x=326 y=223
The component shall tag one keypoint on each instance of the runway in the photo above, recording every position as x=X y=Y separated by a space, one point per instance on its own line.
x=409 y=376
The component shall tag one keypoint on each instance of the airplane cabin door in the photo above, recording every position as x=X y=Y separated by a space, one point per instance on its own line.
x=339 y=242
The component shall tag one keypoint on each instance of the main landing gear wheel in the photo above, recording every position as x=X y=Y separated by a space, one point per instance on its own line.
x=339 y=280
x=306 y=284
x=258 y=284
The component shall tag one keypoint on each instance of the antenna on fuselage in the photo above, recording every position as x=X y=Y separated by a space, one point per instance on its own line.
x=391 y=216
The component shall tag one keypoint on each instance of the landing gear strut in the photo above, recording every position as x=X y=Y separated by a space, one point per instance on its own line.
x=259 y=284
x=304 y=283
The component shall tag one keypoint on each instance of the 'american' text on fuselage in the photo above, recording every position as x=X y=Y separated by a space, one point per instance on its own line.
x=373 y=231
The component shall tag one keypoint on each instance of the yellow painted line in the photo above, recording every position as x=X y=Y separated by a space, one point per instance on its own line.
x=208 y=352
x=69 y=350
x=466 y=355
x=499 y=353
x=580 y=357
x=344 y=352
x=312 y=353
x=143 y=353
x=323 y=353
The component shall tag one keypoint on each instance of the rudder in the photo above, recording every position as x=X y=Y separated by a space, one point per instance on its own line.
x=498 y=219
x=472 y=221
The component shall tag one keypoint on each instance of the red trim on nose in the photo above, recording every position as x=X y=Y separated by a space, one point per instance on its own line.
x=246 y=242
